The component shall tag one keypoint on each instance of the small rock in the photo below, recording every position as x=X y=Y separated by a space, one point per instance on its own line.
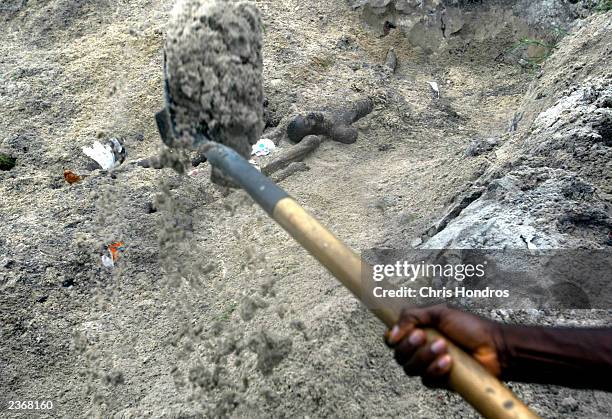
x=7 y=162
x=569 y=404
x=387 y=26
x=297 y=325
x=481 y=146
x=114 y=378
x=416 y=242
x=406 y=217
x=345 y=42
x=150 y=208
x=67 y=283
x=524 y=63
x=391 y=60
x=107 y=155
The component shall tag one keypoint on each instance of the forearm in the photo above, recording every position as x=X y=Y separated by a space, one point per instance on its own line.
x=570 y=357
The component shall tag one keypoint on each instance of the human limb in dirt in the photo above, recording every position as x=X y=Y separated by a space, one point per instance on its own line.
x=293 y=154
x=333 y=123
x=572 y=357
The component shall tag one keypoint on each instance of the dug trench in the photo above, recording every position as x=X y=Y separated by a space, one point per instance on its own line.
x=211 y=310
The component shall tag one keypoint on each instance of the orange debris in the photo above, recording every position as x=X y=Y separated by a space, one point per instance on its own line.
x=71 y=177
x=115 y=248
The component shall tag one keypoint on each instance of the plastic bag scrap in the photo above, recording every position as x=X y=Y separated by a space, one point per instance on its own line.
x=255 y=164
x=263 y=147
x=108 y=155
x=434 y=88
x=112 y=253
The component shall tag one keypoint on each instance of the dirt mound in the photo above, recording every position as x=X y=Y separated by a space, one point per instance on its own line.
x=550 y=184
x=535 y=208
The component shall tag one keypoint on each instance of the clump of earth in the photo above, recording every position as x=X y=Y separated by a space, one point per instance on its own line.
x=215 y=91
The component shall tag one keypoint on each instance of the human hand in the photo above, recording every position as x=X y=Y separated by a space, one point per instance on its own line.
x=479 y=337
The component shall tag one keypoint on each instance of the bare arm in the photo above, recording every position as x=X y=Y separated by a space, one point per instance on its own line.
x=573 y=357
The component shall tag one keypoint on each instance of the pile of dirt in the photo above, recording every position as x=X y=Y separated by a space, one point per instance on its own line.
x=531 y=208
x=550 y=184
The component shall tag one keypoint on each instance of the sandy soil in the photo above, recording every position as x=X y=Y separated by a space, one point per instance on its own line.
x=212 y=310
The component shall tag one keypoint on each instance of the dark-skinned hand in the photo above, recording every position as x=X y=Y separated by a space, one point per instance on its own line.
x=479 y=337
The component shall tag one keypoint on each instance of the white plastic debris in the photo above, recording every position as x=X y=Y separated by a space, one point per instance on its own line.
x=263 y=147
x=530 y=244
x=111 y=253
x=434 y=87
x=255 y=164
x=107 y=261
x=108 y=156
